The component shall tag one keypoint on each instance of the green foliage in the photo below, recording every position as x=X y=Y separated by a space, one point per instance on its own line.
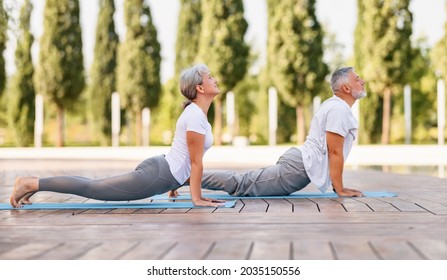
x=60 y=73
x=3 y=39
x=187 y=48
x=103 y=71
x=371 y=108
x=439 y=55
x=384 y=52
x=22 y=94
x=223 y=49
x=296 y=52
x=139 y=59
x=222 y=45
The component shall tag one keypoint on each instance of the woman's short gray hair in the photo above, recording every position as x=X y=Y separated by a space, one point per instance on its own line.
x=189 y=79
x=339 y=77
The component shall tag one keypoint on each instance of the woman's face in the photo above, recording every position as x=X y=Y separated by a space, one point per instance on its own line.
x=209 y=85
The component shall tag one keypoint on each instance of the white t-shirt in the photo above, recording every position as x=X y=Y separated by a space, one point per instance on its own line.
x=192 y=119
x=335 y=116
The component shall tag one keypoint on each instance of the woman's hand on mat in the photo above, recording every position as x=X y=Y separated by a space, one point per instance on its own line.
x=204 y=201
x=172 y=194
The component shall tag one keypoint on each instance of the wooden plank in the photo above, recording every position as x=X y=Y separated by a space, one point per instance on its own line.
x=254 y=205
x=230 y=250
x=394 y=250
x=431 y=248
x=301 y=205
x=149 y=211
x=109 y=250
x=68 y=251
x=148 y=250
x=402 y=205
x=274 y=250
x=311 y=250
x=427 y=204
x=352 y=250
x=198 y=249
x=7 y=246
x=377 y=205
x=236 y=209
x=30 y=251
x=328 y=205
x=352 y=205
x=279 y=206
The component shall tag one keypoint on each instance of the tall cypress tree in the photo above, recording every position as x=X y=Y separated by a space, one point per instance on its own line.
x=439 y=55
x=372 y=105
x=223 y=49
x=103 y=71
x=297 y=45
x=139 y=63
x=60 y=73
x=388 y=53
x=3 y=39
x=22 y=95
x=186 y=50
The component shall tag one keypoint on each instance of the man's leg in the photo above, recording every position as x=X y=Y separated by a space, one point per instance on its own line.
x=284 y=178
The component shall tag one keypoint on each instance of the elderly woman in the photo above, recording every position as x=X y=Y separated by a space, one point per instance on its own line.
x=155 y=175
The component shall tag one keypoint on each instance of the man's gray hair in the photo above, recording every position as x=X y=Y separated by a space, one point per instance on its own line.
x=189 y=79
x=339 y=77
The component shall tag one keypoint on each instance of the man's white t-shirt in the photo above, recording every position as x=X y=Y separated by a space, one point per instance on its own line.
x=335 y=116
x=192 y=119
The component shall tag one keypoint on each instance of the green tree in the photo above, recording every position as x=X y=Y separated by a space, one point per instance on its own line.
x=298 y=71
x=186 y=50
x=422 y=81
x=223 y=49
x=139 y=63
x=59 y=75
x=3 y=39
x=22 y=94
x=387 y=51
x=439 y=55
x=103 y=71
x=372 y=105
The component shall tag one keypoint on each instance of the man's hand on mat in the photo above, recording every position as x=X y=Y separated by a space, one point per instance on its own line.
x=204 y=201
x=345 y=192
x=172 y=194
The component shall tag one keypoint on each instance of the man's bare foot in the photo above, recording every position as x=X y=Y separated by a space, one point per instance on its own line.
x=23 y=187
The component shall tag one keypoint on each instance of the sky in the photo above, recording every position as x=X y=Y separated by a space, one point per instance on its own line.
x=339 y=16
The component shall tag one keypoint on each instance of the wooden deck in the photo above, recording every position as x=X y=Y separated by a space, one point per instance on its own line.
x=410 y=226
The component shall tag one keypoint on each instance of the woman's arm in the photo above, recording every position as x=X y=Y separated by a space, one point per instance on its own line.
x=195 y=142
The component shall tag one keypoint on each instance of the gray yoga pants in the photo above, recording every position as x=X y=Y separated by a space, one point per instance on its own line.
x=150 y=177
x=286 y=177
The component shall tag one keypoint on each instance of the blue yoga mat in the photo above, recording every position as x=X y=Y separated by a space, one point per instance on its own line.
x=130 y=205
x=293 y=195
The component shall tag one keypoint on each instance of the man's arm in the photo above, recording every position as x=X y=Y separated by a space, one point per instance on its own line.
x=336 y=162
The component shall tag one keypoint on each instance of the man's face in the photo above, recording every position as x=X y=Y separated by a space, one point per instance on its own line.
x=357 y=85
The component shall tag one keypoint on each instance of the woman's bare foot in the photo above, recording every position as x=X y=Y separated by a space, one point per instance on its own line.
x=23 y=188
x=26 y=199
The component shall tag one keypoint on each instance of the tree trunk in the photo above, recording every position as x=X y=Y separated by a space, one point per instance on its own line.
x=386 y=120
x=218 y=121
x=138 y=128
x=300 y=127
x=60 y=127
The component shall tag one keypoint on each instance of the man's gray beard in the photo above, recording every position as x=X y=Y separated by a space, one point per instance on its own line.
x=360 y=95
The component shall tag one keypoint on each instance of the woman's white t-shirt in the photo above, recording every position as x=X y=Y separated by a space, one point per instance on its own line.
x=192 y=119
x=335 y=116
